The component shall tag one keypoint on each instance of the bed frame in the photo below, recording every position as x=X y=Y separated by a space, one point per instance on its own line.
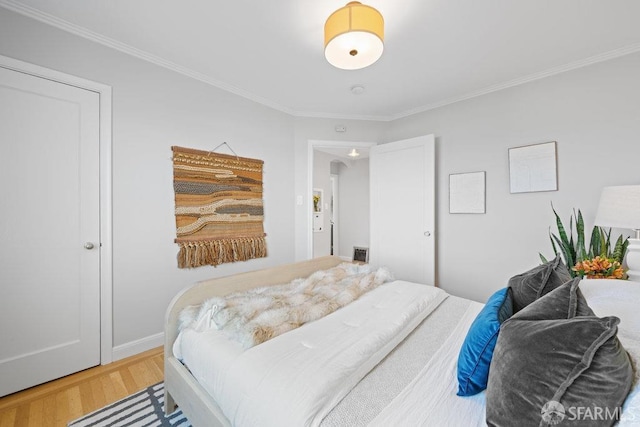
x=180 y=387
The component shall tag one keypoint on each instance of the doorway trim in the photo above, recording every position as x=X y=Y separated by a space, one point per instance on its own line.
x=312 y=145
x=333 y=218
x=106 y=231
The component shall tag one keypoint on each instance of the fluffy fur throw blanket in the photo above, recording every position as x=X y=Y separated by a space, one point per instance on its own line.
x=257 y=315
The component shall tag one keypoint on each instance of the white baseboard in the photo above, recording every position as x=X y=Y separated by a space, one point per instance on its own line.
x=138 y=346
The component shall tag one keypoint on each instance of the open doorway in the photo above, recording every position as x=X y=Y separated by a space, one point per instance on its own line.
x=343 y=220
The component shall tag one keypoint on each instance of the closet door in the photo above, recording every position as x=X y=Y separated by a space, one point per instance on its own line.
x=49 y=229
x=402 y=179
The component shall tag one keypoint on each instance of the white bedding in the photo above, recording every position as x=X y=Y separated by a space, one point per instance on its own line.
x=396 y=371
x=255 y=387
x=325 y=359
x=430 y=399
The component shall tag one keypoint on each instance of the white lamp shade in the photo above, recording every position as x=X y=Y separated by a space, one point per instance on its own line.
x=353 y=36
x=619 y=207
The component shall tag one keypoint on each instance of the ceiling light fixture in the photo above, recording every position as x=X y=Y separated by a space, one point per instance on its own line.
x=354 y=36
x=353 y=153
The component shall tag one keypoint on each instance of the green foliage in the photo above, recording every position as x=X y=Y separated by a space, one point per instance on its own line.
x=574 y=251
x=620 y=249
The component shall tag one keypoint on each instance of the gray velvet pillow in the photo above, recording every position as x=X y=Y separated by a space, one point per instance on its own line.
x=533 y=284
x=549 y=352
x=564 y=302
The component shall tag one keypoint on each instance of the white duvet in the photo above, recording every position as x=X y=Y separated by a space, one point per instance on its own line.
x=430 y=399
x=297 y=378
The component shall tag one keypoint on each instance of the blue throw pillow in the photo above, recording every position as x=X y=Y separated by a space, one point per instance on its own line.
x=476 y=351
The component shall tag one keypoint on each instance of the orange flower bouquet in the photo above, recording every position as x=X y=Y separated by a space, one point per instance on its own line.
x=600 y=268
x=603 y=260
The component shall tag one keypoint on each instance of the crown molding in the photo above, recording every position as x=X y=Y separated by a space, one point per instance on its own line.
x=616 y=53
x=38 y=15
x=335 y=116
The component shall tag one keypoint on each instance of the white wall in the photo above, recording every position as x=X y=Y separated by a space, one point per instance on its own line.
x=592 y=112
x=353 y=196
x=153 y=109
x=594 y=115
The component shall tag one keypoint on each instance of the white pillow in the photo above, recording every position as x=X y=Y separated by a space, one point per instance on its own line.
x=620 y=298
x=631 y=407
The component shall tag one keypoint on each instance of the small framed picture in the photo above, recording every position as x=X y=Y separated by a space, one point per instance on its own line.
x=533 y=168
x=317 y=199
x=467 y=193
x=360 y=254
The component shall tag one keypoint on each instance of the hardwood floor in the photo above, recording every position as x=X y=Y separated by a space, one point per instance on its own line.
x=58 y=402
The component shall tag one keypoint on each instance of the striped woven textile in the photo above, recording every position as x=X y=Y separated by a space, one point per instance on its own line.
x=145 y=408
x=219 y=209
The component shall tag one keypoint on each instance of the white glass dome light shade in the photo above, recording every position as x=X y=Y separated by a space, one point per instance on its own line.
x=354 y=50
x=354 y=36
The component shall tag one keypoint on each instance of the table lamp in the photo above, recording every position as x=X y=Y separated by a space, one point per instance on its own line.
x=620 y=208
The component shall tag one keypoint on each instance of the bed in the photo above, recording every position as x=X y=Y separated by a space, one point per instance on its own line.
x=405 y=371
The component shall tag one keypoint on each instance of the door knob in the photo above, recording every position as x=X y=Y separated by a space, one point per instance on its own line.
x=427 y=233
x=88 y=245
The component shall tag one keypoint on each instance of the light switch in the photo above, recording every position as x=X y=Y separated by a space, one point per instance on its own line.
x=299 y=200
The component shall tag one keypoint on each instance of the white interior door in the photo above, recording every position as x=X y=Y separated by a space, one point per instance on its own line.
x=402 y=180
x=49 y=229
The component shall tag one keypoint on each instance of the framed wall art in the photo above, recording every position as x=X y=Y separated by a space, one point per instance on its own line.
x=318 y=199
x=467 y=193
x=533 y=168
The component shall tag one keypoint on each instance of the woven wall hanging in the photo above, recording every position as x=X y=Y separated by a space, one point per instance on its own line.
x=219 y=209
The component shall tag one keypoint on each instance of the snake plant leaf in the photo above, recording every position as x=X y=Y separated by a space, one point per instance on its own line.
x=566 y=253
x=607 y=248
x=561 y=231
x=603 y=243
x=620 y=249
x=571 y=230
x=553 y=244
x=594 y=245
x=572 y=246
x=581 y=253
x=572 y=250
x=542 y=258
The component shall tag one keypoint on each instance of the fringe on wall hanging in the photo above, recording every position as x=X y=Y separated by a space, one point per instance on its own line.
x=219 y=209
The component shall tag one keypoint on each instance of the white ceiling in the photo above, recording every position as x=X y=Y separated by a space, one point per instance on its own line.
x=436 y=51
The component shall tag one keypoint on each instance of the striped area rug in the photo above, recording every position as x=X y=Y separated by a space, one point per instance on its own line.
x=142 y=409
